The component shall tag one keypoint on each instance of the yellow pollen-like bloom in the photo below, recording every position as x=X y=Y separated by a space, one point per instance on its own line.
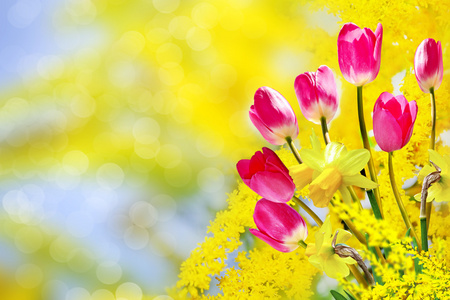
x=322 y=256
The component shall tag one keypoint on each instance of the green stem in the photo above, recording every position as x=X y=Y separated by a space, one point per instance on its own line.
x=424 y=233
x=432 y=146
x=363 y=130
x=302 y=244
x=399 y=201
x=433 y=120
x=326 y=135
x=294 y=150
x=308 y=210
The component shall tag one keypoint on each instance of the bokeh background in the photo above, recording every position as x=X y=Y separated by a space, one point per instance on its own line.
x=120 y=126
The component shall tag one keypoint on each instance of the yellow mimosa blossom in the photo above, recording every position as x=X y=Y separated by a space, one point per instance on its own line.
x=321 y=254
x=439 y=190
x=333 y=169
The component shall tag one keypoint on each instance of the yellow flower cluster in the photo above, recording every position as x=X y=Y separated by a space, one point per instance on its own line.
x=265 y=272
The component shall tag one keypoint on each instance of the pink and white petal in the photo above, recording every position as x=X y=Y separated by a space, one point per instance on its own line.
x=277 y=220
x=387 y=132
x=267 y=133
x=273 y=108
x=327 y=92
x=273 y=186
x=273 y=243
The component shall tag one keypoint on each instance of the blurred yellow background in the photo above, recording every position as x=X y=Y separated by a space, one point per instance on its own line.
x=121 y=123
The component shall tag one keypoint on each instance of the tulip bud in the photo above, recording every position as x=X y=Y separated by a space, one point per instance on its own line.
x=266 y=175
x=359 y=53
x=273 y=116
x=279 y=225
x=317 y=94
x=428 y=65
x=393 y=121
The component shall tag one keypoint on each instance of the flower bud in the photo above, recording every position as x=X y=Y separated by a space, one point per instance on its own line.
x=428 y=65
x=279 y=225
x=273 y=116
x=393 y=121
x=317 y=94
x=359 y=53
x=266 y=174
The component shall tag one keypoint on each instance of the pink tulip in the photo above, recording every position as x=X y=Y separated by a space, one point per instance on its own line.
x=428 y=65
x=359 y=53
x=317 y=94
x=273 y=116
x=265 y=174
x=279 y=225
x=393 y=121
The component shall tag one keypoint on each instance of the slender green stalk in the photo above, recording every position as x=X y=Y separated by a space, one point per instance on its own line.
x=358 y=276
x=326 y=135
x=433 y=120
x=424 y=233
x=308 y=210
x=303 y=244
x=399 y=201
x=432 y=146
x=294 y=150
x=363 y=130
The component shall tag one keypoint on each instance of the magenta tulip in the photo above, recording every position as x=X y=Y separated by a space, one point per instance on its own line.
x=265 y=174
x=273 y=116
x=393 y=121
x=428 y=65
x=317 y=94
x=359 y=53
x=279 y=225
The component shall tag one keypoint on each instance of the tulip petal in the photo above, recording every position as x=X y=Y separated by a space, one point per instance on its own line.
x=275 y=112
x=279 y=221
x=387 y=132
x=265 y=131
x=354 y=162
x=273 y=186
x=326 y=92
x=273 y=243
x=243 y=167
x=359 y=180
x=305 y=90
x=428 y=65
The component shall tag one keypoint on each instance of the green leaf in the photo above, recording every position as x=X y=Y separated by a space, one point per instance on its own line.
x=337 y=296
x=349 y=295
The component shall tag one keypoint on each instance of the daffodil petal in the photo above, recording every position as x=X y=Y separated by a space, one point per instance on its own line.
x=346 y=197
x=315 y=143
x=343 y=236
x=301 y=174
x=312 y=159
x=333 y=152
x=438 y=160
x=354 y=162
x=310 y=249
x=360 y=181
x=335 y=267
x=324 y=231
x=427 y=169
x=316 y=261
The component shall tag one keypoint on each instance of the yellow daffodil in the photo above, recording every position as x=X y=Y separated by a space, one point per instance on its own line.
x=322 y=255
x=330 y=170
x=438 y=191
